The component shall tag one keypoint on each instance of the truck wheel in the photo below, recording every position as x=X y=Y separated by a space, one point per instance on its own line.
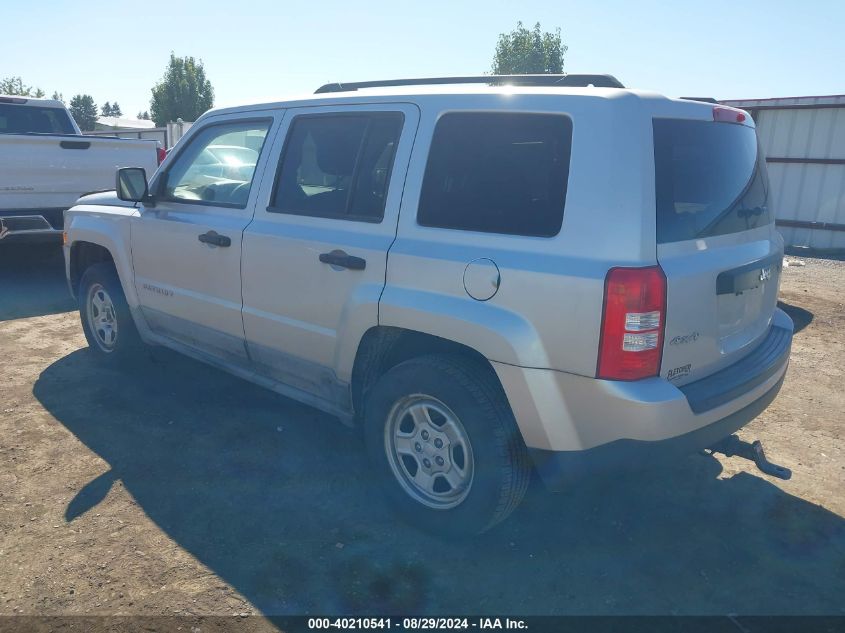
x=441 y=437
x=106 y=321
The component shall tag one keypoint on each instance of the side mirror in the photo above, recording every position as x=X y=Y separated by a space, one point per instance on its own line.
x=132 y=184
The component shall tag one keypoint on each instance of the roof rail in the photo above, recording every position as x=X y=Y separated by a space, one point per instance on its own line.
x=599 y=81
x=704 y=99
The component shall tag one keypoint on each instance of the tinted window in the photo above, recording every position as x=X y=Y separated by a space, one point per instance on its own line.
x=337 y=166
x=497 y=173
x=219 y=164
x=709 y=179
x=25 y=119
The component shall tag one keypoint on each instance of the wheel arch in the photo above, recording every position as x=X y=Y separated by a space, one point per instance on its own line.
x=102 y=234
x=383 y=347
x=100 y=229
x=84 y=254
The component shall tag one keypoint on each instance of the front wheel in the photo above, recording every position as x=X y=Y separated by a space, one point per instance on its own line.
x=106 y=320
x=444 y=442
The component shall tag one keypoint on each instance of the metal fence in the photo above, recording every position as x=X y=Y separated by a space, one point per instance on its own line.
x=804 y=142
x=167 y=135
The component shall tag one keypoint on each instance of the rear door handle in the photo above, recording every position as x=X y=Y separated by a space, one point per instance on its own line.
x=214 y=238
x=343 y=260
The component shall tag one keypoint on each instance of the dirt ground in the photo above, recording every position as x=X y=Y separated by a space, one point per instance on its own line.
x=173 y=488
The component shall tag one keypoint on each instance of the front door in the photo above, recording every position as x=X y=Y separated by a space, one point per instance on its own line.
x=315 y=254
x=186 y=246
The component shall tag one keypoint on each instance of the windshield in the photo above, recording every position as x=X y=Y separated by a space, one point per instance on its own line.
x=27 y=119
x=709 y=179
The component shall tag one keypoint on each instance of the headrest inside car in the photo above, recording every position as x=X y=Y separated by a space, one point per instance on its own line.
x=337 y=148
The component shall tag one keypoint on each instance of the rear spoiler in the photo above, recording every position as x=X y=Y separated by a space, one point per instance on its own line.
x=704 y=99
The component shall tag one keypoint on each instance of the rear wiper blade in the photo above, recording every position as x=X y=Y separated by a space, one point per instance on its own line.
x=747 y=213
x=742 y=213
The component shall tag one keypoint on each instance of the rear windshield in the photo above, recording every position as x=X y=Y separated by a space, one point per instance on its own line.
x=709 y=179
x=26 y=119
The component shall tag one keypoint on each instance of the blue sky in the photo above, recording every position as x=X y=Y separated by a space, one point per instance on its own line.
x=739 y=49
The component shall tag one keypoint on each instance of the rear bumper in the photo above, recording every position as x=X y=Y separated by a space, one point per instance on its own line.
x=575 y=425
x=31 y=225
x=559 y=469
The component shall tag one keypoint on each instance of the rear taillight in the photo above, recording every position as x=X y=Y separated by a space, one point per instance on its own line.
x=634 y=318
x=728 y=115
x=161 y=153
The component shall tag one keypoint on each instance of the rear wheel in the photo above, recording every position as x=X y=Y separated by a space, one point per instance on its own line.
x=443 y=440
x=106 y=320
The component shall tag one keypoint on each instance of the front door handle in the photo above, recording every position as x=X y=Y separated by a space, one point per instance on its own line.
x=213 y=237
x=343 y=260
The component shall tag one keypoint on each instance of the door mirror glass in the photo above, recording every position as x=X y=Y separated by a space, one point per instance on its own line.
x=132 y=184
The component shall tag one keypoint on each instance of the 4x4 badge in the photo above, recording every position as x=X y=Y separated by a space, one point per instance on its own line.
x=683 y=339
x=766 y=273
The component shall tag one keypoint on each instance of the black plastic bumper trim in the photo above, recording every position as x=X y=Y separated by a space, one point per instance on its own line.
x=769 y=357
x=54 y=215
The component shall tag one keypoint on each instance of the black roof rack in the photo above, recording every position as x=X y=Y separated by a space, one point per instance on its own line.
x=599 y=81
x=704 y=99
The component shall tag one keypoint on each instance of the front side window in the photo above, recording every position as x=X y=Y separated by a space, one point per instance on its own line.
x=218 y=166
x=338 y=166
x=497 y=173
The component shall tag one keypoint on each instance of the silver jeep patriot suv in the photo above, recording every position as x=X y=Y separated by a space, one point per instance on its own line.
x=486 y=275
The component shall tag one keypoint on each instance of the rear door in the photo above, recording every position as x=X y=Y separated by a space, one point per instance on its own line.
x=315 y=255
x=716 y=242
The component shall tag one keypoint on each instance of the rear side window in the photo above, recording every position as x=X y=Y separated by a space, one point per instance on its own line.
x=497 y=173
x=709 y=179
x=25 y=119
x=338 y=166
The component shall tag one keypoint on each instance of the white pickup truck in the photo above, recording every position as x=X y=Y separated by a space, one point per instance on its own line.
x=46 y=165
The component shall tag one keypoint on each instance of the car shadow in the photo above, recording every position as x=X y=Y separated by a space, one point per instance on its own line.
x=32 y=281
x=276 y=498
x=801 y=318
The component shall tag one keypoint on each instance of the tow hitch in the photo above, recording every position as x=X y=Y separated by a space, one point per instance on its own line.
x=732 y=445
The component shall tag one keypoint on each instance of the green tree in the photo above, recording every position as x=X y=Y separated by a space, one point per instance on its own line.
x=109 y=109
x=522 y=52
x=58 y=96
x=184 y=92
x=84 y=111
x=144 y=116
x=15 y=86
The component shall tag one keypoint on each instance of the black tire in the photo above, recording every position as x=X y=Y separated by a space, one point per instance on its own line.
x=469 y=389
x=126 y=343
